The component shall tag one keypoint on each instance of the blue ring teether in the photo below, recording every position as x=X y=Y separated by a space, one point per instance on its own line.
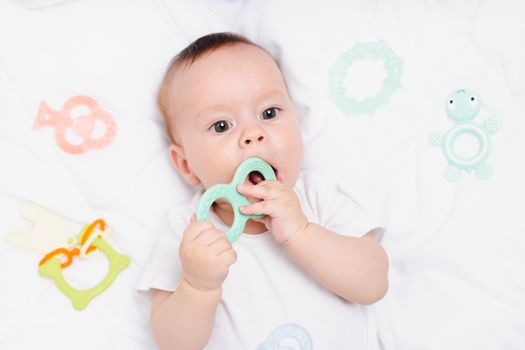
x=229 y=192
x=288 y=331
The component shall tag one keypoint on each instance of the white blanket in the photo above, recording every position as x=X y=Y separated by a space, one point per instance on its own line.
x=456 y=248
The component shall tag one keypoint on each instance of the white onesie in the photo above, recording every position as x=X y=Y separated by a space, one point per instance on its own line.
x=269 y=302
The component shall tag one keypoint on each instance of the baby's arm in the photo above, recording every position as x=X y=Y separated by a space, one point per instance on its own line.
x=353 y=268
x=183 y=319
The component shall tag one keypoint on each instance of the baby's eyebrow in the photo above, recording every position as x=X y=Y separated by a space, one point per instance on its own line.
x=214 y=108
x=221 y=107
x=272 y=94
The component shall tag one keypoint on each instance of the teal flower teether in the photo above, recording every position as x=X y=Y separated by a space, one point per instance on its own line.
x=229 y=192
x=338 y=74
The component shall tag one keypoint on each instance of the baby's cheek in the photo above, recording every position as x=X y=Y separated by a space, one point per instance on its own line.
x=212 y=170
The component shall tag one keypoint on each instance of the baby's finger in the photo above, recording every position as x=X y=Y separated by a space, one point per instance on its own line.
x=265 y=220
x=229 y=256
x=258 y=208
x=208 y=237
x=192 y=218
x=194 y=230
x=220 y=246
x=263 y=190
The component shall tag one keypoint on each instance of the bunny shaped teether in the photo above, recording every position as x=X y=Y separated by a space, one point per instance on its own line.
x=49 y=230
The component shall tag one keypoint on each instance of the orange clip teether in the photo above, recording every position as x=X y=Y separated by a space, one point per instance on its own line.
x=70 y=254
x=90 y=229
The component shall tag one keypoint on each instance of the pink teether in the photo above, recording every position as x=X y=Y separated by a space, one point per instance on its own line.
x=83 y=127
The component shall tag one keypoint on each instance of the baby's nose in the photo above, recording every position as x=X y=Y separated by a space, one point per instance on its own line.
x=249 y=140
x=253 y=136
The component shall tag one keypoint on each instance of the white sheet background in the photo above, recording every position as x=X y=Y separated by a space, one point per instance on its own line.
x=457 y=250
x=115 y=52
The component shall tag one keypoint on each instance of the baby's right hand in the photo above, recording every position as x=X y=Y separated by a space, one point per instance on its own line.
x=206 y=255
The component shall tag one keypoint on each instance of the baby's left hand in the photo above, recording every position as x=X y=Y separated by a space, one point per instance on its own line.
x=284 y=216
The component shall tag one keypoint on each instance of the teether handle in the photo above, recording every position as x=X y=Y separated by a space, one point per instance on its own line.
x=237 y=200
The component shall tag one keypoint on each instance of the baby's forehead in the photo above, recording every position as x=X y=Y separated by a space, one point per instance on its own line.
x=232 y=52
x=228 y=64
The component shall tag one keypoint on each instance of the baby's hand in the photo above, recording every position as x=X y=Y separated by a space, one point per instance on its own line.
x=285 y=217
x=206 y=255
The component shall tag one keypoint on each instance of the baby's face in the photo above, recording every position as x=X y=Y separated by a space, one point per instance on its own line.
x=230 y=105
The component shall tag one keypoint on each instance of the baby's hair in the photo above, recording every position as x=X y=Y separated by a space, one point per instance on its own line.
x=187 y=57
x=206 y=44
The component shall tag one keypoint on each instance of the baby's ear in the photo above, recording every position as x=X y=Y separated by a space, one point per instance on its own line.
x=179 y=161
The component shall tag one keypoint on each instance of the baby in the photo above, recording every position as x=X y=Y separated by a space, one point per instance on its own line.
x=296 y=277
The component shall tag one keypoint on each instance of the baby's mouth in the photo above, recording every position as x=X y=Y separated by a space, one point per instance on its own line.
x=256 y=177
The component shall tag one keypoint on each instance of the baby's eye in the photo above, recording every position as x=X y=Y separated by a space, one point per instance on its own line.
x=220 y=126
x=270 y=113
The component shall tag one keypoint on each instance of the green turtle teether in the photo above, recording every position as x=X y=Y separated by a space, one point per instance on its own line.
x=229 y=192
x=463 y=106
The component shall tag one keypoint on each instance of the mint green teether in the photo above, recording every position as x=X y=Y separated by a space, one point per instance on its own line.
x=229 y=192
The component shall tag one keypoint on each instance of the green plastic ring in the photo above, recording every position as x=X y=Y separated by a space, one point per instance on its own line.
x=80 y=298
